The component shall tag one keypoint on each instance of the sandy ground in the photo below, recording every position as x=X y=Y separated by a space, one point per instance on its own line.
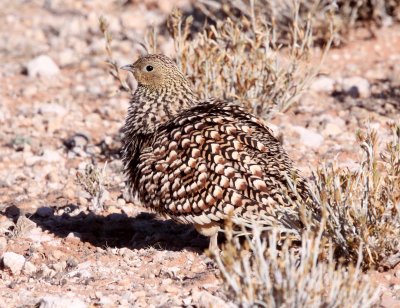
x=53 y=126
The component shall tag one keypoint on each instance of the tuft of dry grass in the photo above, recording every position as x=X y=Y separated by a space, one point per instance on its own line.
x=92 y=181
x=264 y=273
x=113 y=67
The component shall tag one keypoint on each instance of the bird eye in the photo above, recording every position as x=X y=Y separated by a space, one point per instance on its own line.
x=149 y=68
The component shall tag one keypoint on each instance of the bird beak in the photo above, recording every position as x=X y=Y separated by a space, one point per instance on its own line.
x=128 y=67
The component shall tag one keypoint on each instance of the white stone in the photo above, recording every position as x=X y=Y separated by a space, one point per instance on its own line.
x=61 y=302
x=37 y=236
x=206 y=299
x=121 y=202
x=14 y=262
x=323 y=84
x=356 y=87
x=331 y=129
x=42 y=66
x=3 y=245
x=52 y=108
x=309 y=138
x=51 y=156
x=29 y=268
x=4 y=112
x=67 y=57
x=29 y=91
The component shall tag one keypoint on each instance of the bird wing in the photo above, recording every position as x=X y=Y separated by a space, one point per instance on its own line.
x=212 y=160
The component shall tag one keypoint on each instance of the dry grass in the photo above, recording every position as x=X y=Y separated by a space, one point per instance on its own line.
x=242 y=60
x=344 y=14
x=364 y=205
x=263 y=273
x=92 y=181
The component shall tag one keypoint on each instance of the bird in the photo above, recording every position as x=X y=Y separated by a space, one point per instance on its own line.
x=201 y=161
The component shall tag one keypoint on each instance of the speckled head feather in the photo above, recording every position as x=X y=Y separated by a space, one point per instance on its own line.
x=199 y=162
x=156 y=71
x=162 y=91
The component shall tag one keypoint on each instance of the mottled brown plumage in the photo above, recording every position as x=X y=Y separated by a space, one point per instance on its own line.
x=199 y=161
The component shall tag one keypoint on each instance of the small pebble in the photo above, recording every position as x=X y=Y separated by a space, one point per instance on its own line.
x=14 y=262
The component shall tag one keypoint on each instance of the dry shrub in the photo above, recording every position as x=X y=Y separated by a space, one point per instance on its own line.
x=242 y=59
x=263 y=273
x=364 y=205
x=345 y=14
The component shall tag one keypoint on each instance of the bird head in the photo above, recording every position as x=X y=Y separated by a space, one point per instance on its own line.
x=155 y=71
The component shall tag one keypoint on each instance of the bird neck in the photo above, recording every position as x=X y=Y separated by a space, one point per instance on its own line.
x=150 y=107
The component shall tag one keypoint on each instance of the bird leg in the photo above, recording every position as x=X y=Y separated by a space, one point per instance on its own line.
x=213 y=247
x=209 y=230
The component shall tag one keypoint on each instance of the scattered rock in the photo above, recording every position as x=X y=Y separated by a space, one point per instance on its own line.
x=73 y=236
x=57 y=254
x=59 y=266
x=77 y=142
x=52 y=109
x=3 y=245
x=323 y=84
x=29 y=268
x=67 y=57
x=12 y=211
x=29 y=90
x=331 y=129
x=309 y=138
x=356 y=87
x=121 y=202
x=206 y=299
x=44 y=211
x=61 y=302
x=42 y=66
x=4 y=113
x=51 y=156
x=37 y=236
x=13 y=262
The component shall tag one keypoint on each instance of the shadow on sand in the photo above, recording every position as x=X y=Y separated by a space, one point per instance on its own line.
x=120 y=230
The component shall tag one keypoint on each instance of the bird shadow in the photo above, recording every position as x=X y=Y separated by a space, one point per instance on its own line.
x=119 y=230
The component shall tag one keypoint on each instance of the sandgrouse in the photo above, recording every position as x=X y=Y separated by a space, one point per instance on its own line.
x=200 y=161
